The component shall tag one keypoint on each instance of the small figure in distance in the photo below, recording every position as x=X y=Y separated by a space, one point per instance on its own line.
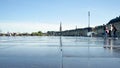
x=114 y=31
x=106 y=31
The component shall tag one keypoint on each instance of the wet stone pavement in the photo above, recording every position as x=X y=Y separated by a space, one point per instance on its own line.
x=59 y=52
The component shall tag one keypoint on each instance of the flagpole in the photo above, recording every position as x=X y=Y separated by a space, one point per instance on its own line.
x=88 y=19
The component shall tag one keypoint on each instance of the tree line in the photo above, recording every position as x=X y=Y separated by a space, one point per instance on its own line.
x=39 y=33
x=112 y=21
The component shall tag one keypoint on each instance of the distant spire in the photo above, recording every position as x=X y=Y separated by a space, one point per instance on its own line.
x=76 y=27
x=76 y=31
x=60 y=28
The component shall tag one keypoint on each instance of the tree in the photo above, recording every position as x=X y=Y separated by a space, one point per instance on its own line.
x=117 y=19
x=39 y=33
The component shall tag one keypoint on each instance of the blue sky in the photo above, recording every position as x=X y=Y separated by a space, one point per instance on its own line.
x=44 y=15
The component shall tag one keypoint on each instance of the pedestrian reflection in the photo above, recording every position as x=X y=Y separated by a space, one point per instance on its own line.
x=109 y=44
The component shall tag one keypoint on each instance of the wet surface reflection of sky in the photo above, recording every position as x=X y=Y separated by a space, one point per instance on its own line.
x=59 y=52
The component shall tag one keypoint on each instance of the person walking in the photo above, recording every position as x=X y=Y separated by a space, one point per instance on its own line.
x=111 y=31
x=106 y=31
x=114 y=31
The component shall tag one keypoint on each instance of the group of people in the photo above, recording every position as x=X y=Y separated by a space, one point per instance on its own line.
x=111 y=31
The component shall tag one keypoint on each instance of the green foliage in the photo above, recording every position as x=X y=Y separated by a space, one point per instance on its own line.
x=117 y=19
x=39 y=33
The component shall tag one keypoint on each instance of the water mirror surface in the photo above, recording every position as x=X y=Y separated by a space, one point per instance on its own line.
x=59 y=52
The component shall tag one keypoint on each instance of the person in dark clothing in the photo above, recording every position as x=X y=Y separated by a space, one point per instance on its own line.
x=106 y=31
x=104 y=28
x=114 y=31
x=111 y=31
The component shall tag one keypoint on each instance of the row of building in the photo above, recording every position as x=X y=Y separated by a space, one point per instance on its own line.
x=95 y=31
x=74 y=32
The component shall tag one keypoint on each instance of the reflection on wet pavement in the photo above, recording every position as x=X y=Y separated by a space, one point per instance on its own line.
x=59 y=52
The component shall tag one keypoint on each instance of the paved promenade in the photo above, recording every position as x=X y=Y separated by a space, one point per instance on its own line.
x=59 y=52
